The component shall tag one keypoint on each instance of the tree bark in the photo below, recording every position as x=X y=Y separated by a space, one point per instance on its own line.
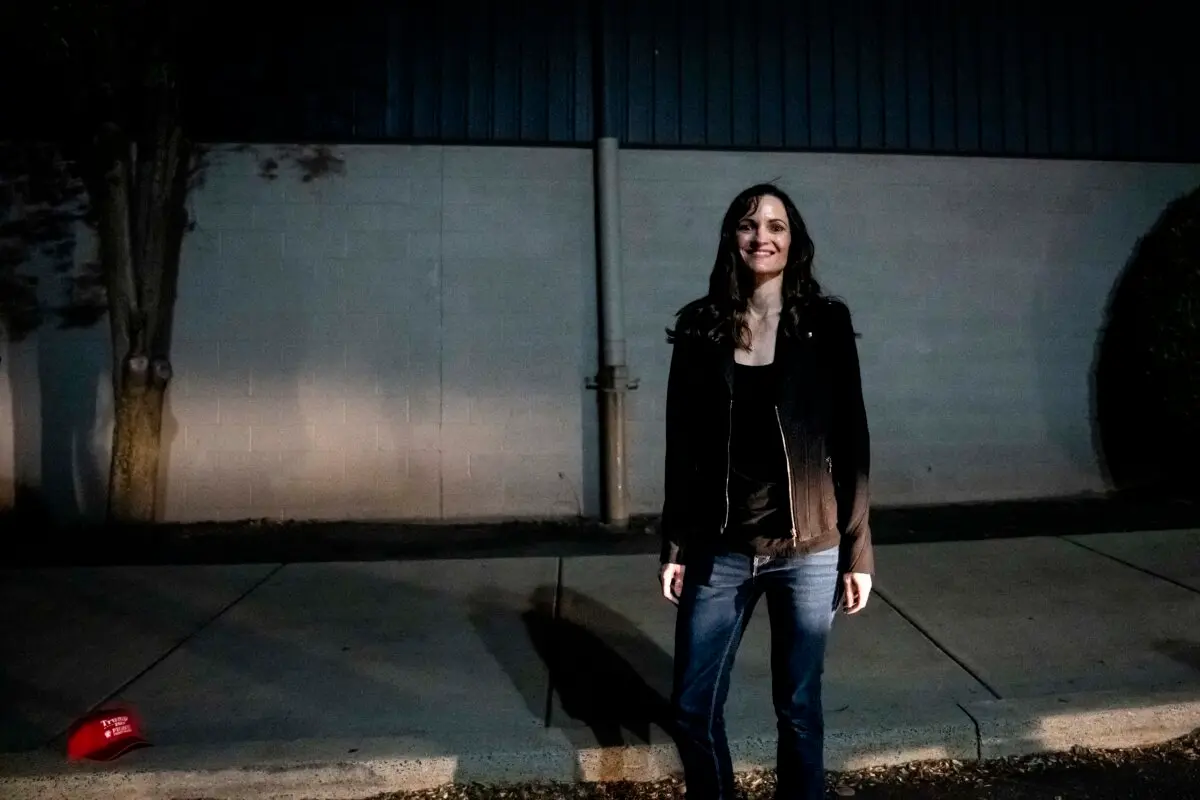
x=133 y=481
x=148 y=210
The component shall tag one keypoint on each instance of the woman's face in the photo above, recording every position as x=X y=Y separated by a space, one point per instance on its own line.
x=763 y=238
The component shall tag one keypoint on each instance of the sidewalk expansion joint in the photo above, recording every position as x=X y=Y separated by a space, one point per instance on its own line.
x=174 y=648
x=978 y=732
x=555 y=620
x=929 y=637
x=1131 y=565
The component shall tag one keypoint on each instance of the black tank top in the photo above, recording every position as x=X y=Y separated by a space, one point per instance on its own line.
x=758 y=477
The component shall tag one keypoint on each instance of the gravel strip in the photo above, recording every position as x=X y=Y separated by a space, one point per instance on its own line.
x=1170 y=770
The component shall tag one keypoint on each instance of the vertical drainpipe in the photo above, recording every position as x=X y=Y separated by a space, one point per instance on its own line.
x=613 y=378
x=612 y=381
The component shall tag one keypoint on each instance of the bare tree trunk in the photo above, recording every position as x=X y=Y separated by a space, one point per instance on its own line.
x=147 y=208
x=133 y=480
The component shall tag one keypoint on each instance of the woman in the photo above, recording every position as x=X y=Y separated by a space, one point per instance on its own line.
x=766 y=488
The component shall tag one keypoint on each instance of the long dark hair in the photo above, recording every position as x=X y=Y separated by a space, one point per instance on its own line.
x=720 y=316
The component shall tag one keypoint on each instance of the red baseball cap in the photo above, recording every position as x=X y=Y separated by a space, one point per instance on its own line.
x=105 y=734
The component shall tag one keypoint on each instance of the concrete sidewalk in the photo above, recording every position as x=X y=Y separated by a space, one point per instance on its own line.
x=350 y=679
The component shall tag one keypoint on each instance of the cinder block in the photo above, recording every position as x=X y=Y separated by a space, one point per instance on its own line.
x=425 y=250
x=516 y=163
x=498 y=408
x=245 y=464
x=554 y=192
x=511 y=239
x=541 y=436
x=202 y=494
x=387 y=246
x=254 y=410
x=362 y=296
x=478 y=437
x=419 y=216
x=538 y=495
x=183 y=463
x=200 y=246
x=373 y=189
x=222 y=185
x=345 y=437
x=375 y=409
x=272 y=217
x=315 y=243
x=411 y=162
x=184 y=409
x=279 y=438
x=216 y=437
x=428 y=405
x=328 y=466
x=245 y=253
x=232 y=216
x=400 y=437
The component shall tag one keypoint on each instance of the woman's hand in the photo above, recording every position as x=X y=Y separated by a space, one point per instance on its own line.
x=671 y=578
x=856 y=588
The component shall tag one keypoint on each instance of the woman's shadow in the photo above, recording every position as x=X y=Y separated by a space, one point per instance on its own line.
x=606 y=675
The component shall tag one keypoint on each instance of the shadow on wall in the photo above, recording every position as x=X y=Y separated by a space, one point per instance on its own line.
x=57 y=378
x=1104 y=341
x=1144 y=377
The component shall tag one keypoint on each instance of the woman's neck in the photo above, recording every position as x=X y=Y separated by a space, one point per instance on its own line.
x=767 y=298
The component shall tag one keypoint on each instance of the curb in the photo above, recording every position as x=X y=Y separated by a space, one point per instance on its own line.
x=1093 y=719
x=325 y=769
x=322 y=768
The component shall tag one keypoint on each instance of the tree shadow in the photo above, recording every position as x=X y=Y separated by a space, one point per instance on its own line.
x=1140 y=447
x=1107 y=398
x=22 y=369
x=71 y=365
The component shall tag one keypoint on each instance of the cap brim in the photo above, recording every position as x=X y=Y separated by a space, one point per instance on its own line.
x=118 y=749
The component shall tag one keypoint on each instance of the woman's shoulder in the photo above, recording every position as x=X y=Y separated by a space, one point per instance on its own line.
x=833 y=311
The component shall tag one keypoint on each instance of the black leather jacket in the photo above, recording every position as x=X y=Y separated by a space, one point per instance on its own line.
x=824 y=426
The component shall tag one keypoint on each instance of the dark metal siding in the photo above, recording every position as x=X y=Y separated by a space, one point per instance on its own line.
x=991 y=77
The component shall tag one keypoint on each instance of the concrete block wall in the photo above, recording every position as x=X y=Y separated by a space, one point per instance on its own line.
x=402 y=340
x=978 y=286
x=410 y=337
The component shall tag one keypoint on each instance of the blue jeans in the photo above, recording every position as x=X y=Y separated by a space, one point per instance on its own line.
x=719 y=595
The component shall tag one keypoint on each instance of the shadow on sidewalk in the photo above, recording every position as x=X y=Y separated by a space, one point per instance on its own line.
x=604 y=672
x=1182 y=651
x=319 y=651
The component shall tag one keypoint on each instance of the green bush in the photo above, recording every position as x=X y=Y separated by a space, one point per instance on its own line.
x=1148 y=371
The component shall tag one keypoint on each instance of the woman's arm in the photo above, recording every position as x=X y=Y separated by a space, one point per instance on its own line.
x=679 y=462
x=854 y=450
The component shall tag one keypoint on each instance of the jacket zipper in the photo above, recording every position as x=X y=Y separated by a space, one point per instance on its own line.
x=728 y=462
x=788 y=462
